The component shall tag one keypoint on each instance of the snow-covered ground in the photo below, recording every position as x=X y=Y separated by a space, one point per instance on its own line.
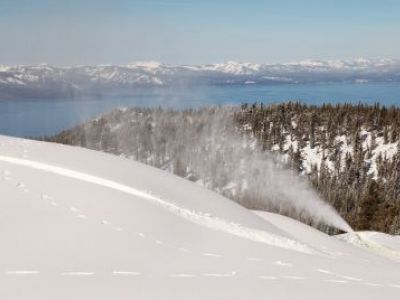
x=80 y=224
x=381 y=243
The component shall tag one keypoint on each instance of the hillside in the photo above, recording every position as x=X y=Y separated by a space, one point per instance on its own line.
x=81 y=224
x=349 y=154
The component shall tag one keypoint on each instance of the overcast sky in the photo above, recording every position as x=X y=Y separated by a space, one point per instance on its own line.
x=71 y=32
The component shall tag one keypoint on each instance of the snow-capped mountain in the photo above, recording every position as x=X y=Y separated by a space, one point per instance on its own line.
x=81 y=224
x=50 y=81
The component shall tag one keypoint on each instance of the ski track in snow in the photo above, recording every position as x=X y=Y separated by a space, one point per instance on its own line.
x=190 y=215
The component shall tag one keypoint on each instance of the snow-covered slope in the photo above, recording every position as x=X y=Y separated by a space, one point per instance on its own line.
x=378 y=242
x=80 y=224
x=51 y=81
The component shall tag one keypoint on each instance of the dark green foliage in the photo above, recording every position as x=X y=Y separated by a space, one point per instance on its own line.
x=367 y=200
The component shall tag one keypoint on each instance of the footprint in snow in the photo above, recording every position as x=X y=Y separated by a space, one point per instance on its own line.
x=211 y=255
x=159 y=242
x=105 y=222
x=372 y=284
x=82 y=216
x=23 y=272
x=292 y=277
x=336 y=281
x=264 y=277
x=323 y=271
x=74 y=209
x=77 y=273
x=182 y=275
x=141 y=234
x=185 y=250
x=350 y=278
x=255 y=259
x=230 y=274
x=283 y=264
x=45 y=197
x=22 y=186
x=126 y=273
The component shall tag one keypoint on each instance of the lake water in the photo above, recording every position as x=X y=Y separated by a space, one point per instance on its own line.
x=32 y=118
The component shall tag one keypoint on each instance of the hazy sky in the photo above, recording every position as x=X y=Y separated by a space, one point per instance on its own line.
x=70 y=32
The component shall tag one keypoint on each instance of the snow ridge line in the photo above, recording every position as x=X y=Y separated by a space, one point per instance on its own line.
x=193 y=216
x=363 y=240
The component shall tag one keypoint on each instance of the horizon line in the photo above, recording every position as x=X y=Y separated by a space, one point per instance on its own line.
x=229 y=61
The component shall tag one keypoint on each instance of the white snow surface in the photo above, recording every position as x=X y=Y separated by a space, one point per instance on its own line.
x=378 y=242
x=81 y=224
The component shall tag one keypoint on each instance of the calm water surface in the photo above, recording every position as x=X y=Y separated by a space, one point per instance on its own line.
x=38 y=117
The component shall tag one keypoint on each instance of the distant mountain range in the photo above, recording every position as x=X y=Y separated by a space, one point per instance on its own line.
x=41 y=81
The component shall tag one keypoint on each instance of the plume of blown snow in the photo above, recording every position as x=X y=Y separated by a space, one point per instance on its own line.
x=206 y=146
x=236 y=162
